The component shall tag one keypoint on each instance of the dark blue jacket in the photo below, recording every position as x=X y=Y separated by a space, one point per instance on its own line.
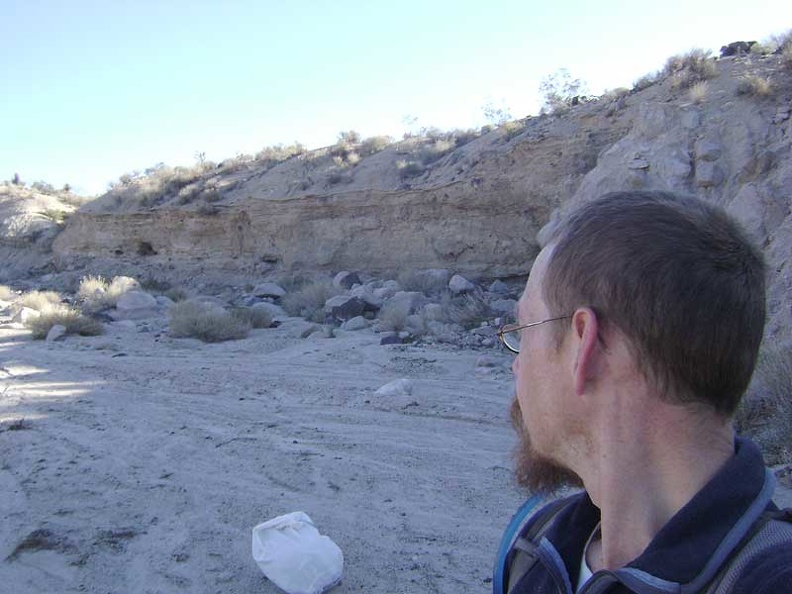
x=677 y=558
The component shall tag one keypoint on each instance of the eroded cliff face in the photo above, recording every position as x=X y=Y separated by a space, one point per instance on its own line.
x=479 y=209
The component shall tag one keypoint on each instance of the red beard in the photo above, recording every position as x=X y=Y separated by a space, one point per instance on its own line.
x=533 y=471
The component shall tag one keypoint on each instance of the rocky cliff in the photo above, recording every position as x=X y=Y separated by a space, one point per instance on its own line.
x=475 y=207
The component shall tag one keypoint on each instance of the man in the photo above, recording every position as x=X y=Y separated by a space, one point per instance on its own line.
x=636 y=337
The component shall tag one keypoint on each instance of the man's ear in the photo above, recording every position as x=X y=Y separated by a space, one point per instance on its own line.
x=585 y=328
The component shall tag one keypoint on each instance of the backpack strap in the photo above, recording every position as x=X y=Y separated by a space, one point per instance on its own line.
x=519 y=543
x=773 y=527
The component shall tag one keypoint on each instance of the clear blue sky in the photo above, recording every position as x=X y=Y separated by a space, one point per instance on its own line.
x=94 y=89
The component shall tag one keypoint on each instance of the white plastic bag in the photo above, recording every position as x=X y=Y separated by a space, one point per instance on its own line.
x=291 y=552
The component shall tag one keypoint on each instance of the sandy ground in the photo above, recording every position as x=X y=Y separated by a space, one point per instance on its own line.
x=137 y=463
x=134 y=462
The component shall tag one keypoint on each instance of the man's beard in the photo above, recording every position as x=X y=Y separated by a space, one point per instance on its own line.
x=533 y=471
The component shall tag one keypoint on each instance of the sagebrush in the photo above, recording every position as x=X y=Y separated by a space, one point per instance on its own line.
x=75 y=321
x=206 y=322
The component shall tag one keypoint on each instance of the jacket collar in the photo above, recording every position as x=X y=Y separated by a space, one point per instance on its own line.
x=721 y=512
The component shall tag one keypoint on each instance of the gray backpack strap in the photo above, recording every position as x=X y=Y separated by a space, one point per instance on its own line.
x=522 y=556
x=773 y=528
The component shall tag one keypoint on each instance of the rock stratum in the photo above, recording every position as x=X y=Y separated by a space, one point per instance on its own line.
x=475 y=208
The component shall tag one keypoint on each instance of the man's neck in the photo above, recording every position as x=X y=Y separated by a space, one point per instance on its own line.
x=644 y=474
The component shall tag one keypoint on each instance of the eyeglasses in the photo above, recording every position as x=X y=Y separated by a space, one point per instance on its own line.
x=510 y=333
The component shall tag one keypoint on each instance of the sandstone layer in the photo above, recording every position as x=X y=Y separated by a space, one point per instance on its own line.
x=477 y=210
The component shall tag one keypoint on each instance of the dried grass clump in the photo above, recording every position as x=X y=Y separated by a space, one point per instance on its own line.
x=646 y=81
x=7 y=293
x=410 y=168
x=754 y=86
x=393 y=315
x=685 y=70
x=97 y=294
x=308 y=300
x=255 y=316
x=71 y=318
x=272 y=155
x=39 y=300
x=206 y=322
x=786 y=57
x=698 y=92
x=374 y=144
x=765 y=412
x=467 y=310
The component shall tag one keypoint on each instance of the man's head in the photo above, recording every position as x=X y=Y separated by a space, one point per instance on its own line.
x=672 y=276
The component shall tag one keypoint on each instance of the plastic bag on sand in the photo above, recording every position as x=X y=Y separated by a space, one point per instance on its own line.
x=291 y=552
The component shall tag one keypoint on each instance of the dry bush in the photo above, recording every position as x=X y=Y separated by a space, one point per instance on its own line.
x=209 y=323
x=272 y=155
x=514 y=128
x=309 y=299
x=786 y=57
x=685 y=70
x=39 y=300
x=7 y=293
x=698 y=92
x=462 y=137
x=97 y=294
x=765 y=412
x=393 y=315
x=374 y=144
x=409 y=168
x=255 y=316
x=156 y=183
x=431 y=152
x=754 y=86
x=71 y=318
x=175 y=294
x=422 y=281
x=467 y=310
x=646 y=81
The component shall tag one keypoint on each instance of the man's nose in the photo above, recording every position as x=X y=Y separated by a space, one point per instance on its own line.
x=515 y=364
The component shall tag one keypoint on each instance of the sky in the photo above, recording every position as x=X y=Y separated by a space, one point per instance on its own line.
x=91 y=90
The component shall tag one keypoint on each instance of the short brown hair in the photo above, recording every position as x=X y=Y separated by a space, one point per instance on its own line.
x=677 y=277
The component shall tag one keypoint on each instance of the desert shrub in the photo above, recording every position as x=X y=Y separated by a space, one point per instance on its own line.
x=685 y=70
x=97 y=294
x=646 y=81
x=559 y=89
x=698 y=92
x=754 y=86
x=765 y=412
x=393 y=315
x=175 y=294
x=309 y=299
x=409 y=168
x=467 y=310
x=7 y=293
x=39 y=300
x=512 y=129
x=374 y=144
x=433 y=151
x=462 y=137
x=71 y=318
x=209 y=323
x=422 y=281
x=255 y=316
x=278 y=153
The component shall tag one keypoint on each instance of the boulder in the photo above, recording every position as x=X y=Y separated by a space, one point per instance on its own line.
x=356 y=323
x=499 y=288
x=57 y=331
x=345 y=280
x=24 y=315
x=459 y=284
x=344 y=307
x=135 y=300
x=269 y=290
x=275 y=311
x=399 y=387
